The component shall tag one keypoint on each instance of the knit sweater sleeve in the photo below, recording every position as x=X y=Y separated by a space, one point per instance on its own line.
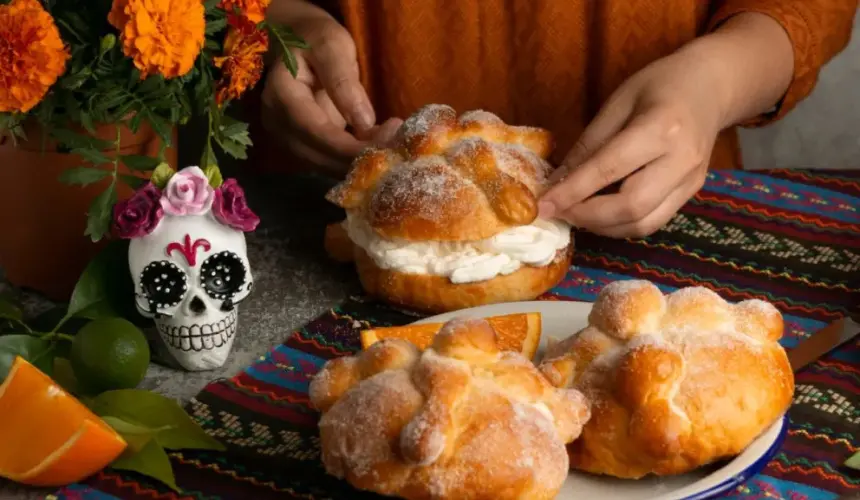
x=818 y=29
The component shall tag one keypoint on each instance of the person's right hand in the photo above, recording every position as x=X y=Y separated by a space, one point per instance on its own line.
x=309 y=114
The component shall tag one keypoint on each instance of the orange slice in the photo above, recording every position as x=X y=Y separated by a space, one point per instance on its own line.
x=47 y=437
x=516 y=332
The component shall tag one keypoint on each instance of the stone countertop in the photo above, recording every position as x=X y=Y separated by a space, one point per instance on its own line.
x=294 y=282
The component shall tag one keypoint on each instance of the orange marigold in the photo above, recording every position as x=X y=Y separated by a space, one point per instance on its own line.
x=161 y=36
x=32 y=55
x=255 y=10
x=242 y=63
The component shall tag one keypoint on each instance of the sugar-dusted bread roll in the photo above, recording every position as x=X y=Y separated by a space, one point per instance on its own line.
x=675 y=381
x=462 y=420
x=446 y=218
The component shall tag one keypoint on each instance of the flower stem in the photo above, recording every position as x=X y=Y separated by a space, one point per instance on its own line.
x=118 y=147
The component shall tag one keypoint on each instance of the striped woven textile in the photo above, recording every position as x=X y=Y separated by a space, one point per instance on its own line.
x=790 y=237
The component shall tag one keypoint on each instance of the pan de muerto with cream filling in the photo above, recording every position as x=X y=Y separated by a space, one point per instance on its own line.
x=446 y=218
x=675 y=381
x=461 y=420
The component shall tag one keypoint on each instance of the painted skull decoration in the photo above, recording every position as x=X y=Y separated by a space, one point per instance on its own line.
x=189 y=262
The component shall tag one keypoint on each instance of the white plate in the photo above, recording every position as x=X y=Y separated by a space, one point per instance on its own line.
x=562 y=318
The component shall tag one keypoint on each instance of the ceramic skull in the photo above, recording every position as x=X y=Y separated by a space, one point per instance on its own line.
x=190 y=266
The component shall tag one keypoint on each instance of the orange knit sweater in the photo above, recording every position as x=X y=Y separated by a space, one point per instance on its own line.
x=552 y=63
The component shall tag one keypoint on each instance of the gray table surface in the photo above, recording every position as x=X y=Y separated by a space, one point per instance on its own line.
x=294 y=282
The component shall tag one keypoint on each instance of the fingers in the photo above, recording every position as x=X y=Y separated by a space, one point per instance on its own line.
x=637 y=144
x=609 y=120
x=334 y=63
x=384 y=134
x=640 y=194
x=294 y=106
x=662 y=214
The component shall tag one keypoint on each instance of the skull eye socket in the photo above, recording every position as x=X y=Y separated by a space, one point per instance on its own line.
x=163 y=283
x=222 y=275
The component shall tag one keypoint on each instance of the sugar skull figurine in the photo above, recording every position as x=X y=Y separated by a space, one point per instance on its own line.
x=189 y=262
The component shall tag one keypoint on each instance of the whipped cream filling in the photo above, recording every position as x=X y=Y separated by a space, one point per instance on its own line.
x=464 y=261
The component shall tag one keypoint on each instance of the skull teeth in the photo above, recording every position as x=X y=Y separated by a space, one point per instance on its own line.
x=199 y=337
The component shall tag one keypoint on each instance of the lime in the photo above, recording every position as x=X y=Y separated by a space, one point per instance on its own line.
x=108 y=354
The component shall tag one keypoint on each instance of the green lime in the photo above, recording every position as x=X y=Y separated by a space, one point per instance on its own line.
x=108 y=354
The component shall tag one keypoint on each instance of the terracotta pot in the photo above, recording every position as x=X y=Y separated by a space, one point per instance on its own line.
x=43 y=247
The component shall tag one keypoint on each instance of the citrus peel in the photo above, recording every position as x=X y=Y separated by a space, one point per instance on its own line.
x=518 y=332
x=47 y=437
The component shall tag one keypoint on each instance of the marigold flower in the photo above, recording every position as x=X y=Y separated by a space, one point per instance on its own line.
x=242 y=63
x=32 y=55
x=161 y=36
x=255 y=10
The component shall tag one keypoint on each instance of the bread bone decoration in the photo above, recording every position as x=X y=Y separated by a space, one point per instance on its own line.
x=675 y=381
x=462 y=420
x=446 y=218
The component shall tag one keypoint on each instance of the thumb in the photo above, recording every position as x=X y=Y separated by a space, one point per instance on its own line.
x=335 y=66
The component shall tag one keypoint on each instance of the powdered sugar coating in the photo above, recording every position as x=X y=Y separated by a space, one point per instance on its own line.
x=486 y=423
x=687 y=369
x=449 y=179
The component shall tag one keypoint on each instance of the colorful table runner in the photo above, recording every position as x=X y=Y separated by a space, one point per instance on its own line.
x=790 y=237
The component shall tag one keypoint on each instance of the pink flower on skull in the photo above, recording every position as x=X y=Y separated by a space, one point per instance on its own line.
x=187 y=193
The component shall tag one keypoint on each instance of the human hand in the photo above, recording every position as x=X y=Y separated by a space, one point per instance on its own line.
x=655 y=135
x=310 y=113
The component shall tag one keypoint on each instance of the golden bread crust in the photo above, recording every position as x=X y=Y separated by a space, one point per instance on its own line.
x=436 y=294
x=461 y=420
x=675 y=382
x=449 y=179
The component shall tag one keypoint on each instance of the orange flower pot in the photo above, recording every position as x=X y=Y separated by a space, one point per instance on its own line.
x=43 y=247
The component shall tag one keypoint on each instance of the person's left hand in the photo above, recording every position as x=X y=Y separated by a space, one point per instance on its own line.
x=655 y=135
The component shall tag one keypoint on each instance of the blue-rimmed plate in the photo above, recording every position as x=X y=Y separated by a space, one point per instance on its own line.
x=559 y=320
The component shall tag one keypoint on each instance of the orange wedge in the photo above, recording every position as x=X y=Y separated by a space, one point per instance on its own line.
x=515 y=332
x=47 y=437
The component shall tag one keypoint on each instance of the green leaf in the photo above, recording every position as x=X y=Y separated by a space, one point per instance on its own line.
x=100 y=213
x=290 y=61
x=854 y=461
x=133 y=181
x=215 y=25
x=74 y=140
x=288 y=39
x=233 y=148
x=213 y=173
x=161 y=127
x=141 y=163
x=234 y=129
x=103 y=290
x=134 y=123
x=93 y=156
x=83 y=176
x=87 y=122
x=137 y=436
x=99 y=280
x=161 y=175
x=151 y=460
x=99 y=310
x=151 y=84
x=176 y=430
x=35 y=350
x=75 y=80
x=9 y=310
